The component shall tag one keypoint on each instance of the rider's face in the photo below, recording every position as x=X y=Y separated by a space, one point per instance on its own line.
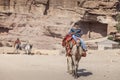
x=76 y=26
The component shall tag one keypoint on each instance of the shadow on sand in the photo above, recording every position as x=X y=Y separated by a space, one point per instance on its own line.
x=84 y=73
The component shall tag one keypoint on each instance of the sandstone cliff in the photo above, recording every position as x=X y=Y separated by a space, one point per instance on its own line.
x=45 y=22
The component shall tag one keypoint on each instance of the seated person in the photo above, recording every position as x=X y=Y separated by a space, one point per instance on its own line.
x=76 y=33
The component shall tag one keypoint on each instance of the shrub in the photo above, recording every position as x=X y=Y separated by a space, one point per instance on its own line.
x=118 y=17
x=110 y=37
x=118 y=27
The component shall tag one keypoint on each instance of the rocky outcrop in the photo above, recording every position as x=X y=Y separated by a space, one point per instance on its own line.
x=46 y=6
x=47 y=21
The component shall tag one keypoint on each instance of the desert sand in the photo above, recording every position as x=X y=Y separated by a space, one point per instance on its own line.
x=97 y=65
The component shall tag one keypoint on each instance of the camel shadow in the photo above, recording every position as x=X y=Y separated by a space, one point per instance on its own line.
x=84 y=73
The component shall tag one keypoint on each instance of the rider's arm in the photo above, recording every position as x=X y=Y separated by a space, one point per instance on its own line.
x=79 y=33
x=72 y=31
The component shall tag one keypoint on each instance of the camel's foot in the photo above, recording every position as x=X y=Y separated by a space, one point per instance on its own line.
x=70 y=71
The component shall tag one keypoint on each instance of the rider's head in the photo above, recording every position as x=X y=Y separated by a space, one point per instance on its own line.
x=76 y=25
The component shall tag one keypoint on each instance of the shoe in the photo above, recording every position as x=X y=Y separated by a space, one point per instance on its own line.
x=85 y=50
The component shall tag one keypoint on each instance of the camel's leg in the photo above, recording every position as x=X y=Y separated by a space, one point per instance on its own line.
x=26 y=51
x=76 y=68
x=29 y=52
x=15 y=51
x=73 y=65
x=75 y=58
x=78 y=57
x=69 y=65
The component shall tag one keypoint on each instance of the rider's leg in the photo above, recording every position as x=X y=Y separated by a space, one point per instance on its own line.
x=74 y=37
x=83 y=44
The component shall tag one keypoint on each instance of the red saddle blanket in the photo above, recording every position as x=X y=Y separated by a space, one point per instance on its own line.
x=68 y=42
x=66 y=39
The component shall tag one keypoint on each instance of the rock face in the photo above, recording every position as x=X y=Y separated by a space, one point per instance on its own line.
x=45 y=22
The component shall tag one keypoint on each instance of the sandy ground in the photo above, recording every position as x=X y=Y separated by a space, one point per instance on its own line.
x=98 y=65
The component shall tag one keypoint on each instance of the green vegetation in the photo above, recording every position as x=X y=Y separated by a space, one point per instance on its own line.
x=118 y=25
x=118 y=17
x=110 y=37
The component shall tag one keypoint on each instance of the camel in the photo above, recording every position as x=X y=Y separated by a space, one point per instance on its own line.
x=74 y=52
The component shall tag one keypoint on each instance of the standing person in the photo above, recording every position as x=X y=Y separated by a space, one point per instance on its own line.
x=17 y=44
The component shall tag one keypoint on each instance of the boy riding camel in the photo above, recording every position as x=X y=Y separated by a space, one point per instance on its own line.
x=75 y=33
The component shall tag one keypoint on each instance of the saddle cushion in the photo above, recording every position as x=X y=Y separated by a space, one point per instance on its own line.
x=69 y=45
x=66 y=39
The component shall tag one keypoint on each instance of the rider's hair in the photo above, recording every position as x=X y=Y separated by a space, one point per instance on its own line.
x=76 y=24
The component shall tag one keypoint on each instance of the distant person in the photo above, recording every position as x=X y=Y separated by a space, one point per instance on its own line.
x=17 y=43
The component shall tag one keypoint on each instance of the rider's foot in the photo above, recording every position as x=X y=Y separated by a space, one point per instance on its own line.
x=85 y=50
